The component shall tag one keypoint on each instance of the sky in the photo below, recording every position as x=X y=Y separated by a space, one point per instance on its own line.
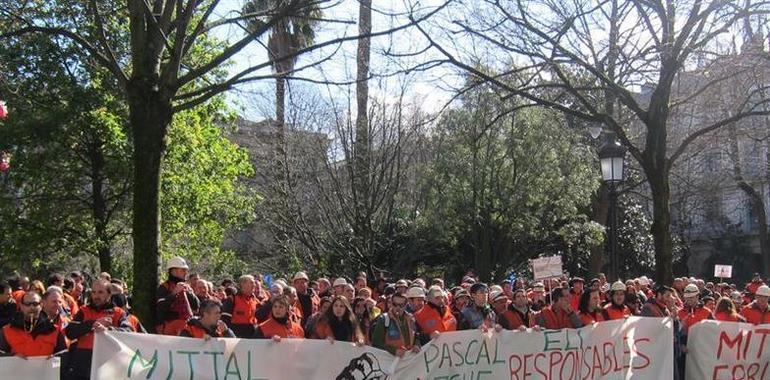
x=431 y=90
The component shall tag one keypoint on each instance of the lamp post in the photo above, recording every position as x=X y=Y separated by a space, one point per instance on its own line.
x=611 y=155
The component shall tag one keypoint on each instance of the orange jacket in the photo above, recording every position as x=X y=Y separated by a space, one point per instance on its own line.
x=725 y=317
x=588 y=318
x=512 y=319
x=693 y=316
x=612 y=312
x=44 y=340
x=271 y=328
x=81 y=327
x=429 y=320
x=558 y=319
x=755 y=315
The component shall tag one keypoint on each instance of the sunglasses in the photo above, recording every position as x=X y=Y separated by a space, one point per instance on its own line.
x=33 y=304
x=399 y=304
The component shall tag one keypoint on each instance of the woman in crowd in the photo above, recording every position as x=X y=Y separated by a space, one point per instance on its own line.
x=589 y=308
x=364 y=316
x=279 y=325
x=338 y=323
x=725 y=311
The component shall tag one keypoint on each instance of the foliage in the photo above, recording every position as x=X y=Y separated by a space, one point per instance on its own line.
x=504 y=186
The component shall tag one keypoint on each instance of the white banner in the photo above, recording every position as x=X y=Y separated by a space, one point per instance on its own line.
x=728 y=350
x=637 y=348
x=38 y=368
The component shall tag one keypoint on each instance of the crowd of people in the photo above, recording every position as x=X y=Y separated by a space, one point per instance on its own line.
x=61 y=316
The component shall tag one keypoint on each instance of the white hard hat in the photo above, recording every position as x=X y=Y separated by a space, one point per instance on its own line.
x=177 y=262
x=618 y=286
x=691 y=290
x=644 y=280
x=339 y=282
x=415 y=292
x=764 y=290
x=300 y=276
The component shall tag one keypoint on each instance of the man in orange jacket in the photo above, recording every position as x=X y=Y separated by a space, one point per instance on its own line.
x=209 y=324
x=758 y=312
x=559 y=314
x=693 y=311
x=435 y=317
x=30 y=333
x=240 y=311
x=98 y=316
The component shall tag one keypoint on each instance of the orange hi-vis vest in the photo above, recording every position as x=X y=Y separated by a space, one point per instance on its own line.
x=86 y=342
x=245 y=309
x=23 y=343
x=271 y=328
x=588 y=318
x=429 y=320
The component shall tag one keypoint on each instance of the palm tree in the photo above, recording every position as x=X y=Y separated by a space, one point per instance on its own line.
x=287 y=36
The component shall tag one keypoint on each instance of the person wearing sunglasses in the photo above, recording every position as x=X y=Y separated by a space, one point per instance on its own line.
x=395 y=331
x=30 y=333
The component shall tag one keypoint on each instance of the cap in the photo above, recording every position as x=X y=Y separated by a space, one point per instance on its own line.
x=462 y=293
x=618 y=286
x=177 y=262
x=415 y=292
x=495 y=288
x=576 y=279
x=340 y=282
x=478 y=287
x=401 y=283
x=691 y=290
x=736 y=295
x=644 y=280
x=435 y=291
x=764 y=291
x=496 y=296
x=538 y=286
x=300 y=276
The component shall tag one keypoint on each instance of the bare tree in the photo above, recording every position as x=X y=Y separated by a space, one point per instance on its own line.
x=584 y=57
x=160 y=70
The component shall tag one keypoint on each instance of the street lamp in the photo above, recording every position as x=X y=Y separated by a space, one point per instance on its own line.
x=611 y=155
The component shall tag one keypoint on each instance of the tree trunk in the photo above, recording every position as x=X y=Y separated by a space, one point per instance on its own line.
x=150 y=117
x=661 y=223
x=362 y=161
x=756 y=201
x=99 y=206
x=600 y=202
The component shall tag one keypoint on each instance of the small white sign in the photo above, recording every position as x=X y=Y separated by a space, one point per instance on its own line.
x=723 y=271
x=546 y=267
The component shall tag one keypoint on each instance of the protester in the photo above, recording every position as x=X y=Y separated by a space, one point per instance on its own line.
x=576 y=285
x=758 y=312
x=279 y=325
x=53 y=309
x=209 y=324
x=240 y=311
x=175 y=299
x=30 y=332
x=8 y=306
x=616 y=308
x=325 y=304
x=338 y=323
x=416 y=297
x=518 y=315
x=693 y=310
x=434 y=317
x=589 y=308
x=559 y=314
x=307 y=299
x=478 y=313
x=395 y=331
x=96 y=317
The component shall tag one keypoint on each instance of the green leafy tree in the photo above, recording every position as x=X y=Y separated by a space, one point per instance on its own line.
x=503 y=186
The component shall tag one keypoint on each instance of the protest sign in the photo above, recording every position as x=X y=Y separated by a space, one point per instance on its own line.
x=38 y=368
x=546 y=267
x=636 y=348
x=727 y=350
x=723 y=271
